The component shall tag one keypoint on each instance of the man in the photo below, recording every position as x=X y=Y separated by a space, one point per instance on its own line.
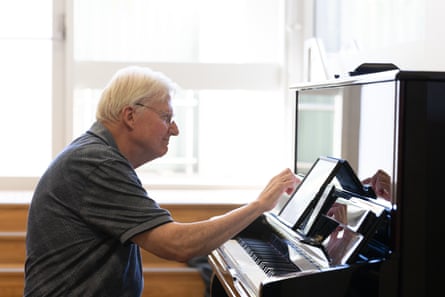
x=90 y=213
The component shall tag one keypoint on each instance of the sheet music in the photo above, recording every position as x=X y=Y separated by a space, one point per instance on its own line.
x=307 y=191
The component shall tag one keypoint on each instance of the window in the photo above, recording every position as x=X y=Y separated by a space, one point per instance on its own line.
x=354 y=32
x=227 y=56
x=26 y=87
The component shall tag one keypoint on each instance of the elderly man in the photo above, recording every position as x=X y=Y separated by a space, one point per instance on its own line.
x=90 y=213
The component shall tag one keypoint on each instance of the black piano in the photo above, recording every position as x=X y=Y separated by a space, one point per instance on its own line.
x=333 y=236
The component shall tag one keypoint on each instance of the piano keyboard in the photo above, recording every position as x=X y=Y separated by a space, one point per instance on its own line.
x=242 y=268
x=269 y=257
x=253 y=262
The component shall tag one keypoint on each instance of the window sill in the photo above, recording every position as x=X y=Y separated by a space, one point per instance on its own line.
x=164 y=196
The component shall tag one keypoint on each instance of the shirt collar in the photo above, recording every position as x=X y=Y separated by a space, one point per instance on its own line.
x=99 y=130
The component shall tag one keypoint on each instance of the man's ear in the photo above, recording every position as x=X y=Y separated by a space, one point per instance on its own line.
x=128 y=116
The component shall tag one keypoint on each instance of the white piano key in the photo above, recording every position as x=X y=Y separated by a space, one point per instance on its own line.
x=250 y=272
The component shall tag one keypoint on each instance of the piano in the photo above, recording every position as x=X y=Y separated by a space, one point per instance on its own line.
x=299 y=246
x=393 y=251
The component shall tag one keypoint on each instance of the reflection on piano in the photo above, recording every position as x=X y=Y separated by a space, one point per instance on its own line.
x=283 y=255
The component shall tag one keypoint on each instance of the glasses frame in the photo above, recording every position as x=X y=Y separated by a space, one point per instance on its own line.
x=166 y=117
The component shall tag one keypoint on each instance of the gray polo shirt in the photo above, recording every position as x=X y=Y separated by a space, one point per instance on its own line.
x=85 y=209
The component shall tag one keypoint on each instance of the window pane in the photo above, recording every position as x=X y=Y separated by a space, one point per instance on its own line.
x=351 y=25
x=241 y=134
x=25 y=91
x=25 y=96
x=223 y=132
x=178 y=31
x=26 y=19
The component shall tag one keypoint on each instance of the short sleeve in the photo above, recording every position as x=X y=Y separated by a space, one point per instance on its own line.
x=116 y=203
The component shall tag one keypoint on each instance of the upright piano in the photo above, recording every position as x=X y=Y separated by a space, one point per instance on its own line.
x=333 y=236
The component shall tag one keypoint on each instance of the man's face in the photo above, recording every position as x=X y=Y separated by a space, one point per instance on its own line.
x=154 y=125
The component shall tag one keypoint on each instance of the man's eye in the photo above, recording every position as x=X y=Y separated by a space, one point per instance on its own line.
x=167 y=119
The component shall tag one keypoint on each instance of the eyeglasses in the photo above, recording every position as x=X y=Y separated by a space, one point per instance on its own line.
x=164 y=116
